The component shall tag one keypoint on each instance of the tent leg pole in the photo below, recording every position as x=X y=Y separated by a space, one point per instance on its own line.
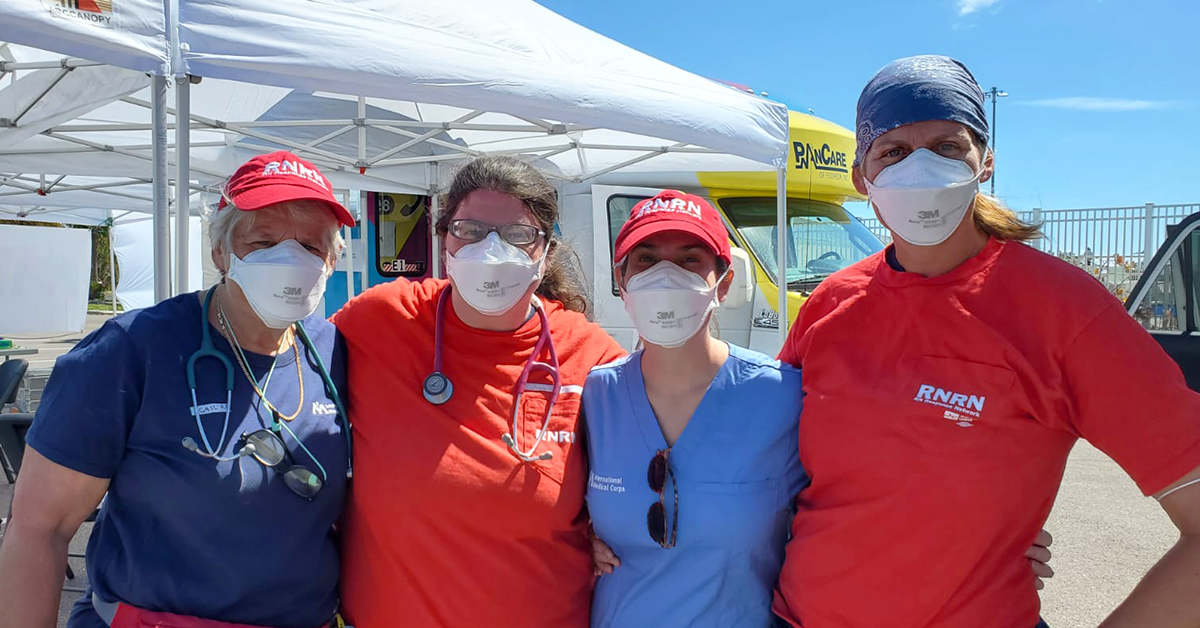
x=435 y=253
x=435 y=209
x=363 y=229
x=183 y=177
x=349 y=237
x=781 y=249
x=162 y=210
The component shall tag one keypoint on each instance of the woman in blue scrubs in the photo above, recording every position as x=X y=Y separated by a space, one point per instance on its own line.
x=692 y=441
x=213 y=425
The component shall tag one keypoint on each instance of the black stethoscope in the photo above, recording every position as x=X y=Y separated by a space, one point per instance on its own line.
x=438 y=389
x=207 y=350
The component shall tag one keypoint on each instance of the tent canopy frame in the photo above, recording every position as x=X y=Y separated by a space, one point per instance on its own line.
x=415 y=132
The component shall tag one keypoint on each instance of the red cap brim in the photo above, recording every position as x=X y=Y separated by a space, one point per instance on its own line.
x=278 y=192
x=645 y=230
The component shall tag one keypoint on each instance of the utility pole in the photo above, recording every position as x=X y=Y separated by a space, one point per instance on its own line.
x=994 y=94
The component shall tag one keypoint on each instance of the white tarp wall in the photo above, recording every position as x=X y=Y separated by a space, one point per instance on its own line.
x=44 y=277
x=132 y=245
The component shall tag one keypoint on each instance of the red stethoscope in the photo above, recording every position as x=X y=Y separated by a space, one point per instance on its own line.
x=438 y=389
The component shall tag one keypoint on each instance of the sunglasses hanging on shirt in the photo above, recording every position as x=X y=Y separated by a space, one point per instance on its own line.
x=656 y=519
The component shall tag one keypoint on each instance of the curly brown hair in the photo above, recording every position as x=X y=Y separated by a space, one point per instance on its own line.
x=508 y=175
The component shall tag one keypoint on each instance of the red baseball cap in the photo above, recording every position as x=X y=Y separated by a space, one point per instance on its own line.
x=672 y=210
x=280 y=177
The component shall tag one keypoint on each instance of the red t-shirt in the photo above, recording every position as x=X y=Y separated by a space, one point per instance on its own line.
x=445 y=527
x=938 y=416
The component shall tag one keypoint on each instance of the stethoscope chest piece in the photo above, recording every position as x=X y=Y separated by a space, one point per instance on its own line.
x=437 y=388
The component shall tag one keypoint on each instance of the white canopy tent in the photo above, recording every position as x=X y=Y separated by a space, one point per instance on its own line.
x=384 y=92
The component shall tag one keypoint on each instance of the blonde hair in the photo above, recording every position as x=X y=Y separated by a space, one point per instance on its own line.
x=1002 y=223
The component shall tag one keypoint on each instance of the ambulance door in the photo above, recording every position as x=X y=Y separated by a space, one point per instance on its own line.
x=611 y=205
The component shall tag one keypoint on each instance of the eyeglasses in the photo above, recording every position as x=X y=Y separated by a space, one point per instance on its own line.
x=656 y=519
x=267 y=447
x=473 y=231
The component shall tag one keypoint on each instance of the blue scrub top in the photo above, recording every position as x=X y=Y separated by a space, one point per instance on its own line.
x=178 y=532
x=738 y=470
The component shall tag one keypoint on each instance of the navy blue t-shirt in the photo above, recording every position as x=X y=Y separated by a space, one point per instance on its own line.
x=179 y=532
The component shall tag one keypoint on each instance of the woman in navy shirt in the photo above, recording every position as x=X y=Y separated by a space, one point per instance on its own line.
x=225 y=516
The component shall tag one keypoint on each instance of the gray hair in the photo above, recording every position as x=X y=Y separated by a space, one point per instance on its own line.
x=224 y=222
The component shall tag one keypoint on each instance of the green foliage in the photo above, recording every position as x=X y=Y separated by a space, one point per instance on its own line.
x=102 y=270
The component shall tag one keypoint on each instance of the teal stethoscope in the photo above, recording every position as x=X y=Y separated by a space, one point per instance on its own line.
x=207 y=350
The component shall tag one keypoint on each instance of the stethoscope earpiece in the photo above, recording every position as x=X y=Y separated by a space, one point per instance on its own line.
x=191 y=445
x=512 y=444
x=437 y=389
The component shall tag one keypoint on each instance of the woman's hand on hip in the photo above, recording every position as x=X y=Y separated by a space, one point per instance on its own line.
x=1039 y=557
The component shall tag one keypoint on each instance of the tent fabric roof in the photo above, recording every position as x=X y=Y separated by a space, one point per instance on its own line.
x=505 y=56
x=359 y=143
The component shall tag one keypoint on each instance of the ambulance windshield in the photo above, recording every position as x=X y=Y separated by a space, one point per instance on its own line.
x=823 y=238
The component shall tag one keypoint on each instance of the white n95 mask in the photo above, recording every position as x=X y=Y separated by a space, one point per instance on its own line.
x=491 y=274
x=283 y=283
x=924 y=197
x=668 y=304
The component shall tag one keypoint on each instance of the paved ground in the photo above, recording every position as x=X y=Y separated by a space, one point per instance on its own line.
x=50 y=348
x=1106 y=534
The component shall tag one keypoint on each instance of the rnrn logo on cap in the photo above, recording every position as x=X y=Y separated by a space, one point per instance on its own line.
x=663 y=203
x=294 y=168
x=672 y=210
x=281 y=177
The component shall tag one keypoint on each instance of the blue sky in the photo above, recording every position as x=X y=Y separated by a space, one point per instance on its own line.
x=1104 y=95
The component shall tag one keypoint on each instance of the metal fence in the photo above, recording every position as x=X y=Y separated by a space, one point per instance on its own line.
x=1114 y=244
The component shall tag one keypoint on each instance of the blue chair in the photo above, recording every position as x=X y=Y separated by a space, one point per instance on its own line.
x=13 y=425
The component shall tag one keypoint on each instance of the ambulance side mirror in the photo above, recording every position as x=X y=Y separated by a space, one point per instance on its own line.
x=741 y=292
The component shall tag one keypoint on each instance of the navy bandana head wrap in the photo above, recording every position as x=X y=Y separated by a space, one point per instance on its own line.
x=916 y=89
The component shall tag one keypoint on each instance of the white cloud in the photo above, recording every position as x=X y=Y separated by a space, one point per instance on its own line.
x=967 y=7
x=1091 y=103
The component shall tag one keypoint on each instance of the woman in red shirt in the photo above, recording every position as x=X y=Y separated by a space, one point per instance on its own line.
x=467 y=503
x=947 y=379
